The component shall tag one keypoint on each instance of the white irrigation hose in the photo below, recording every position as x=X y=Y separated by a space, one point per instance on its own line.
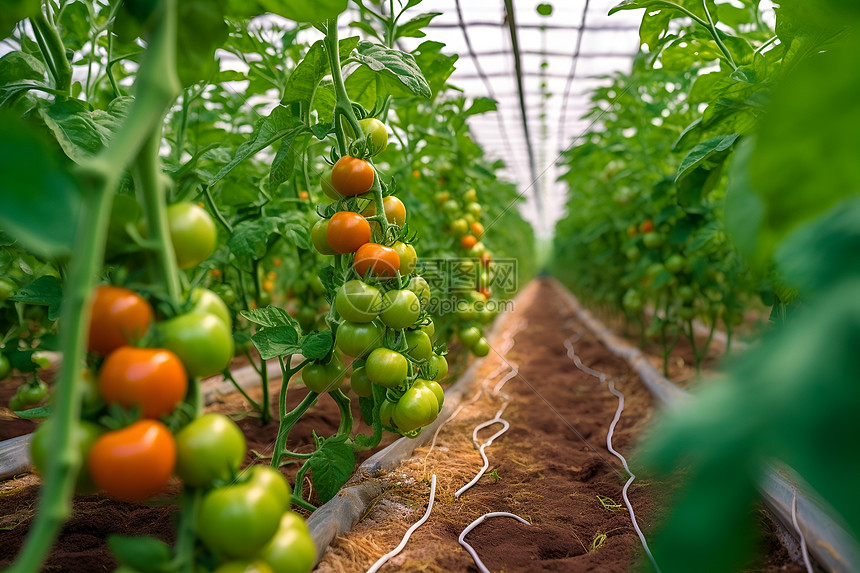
x=611 y=385
x=462 y=539
x=384 y=559
x=484 y=446
x=803 y=548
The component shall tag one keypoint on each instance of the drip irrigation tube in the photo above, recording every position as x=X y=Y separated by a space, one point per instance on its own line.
x=823 y=531
x=462 y=539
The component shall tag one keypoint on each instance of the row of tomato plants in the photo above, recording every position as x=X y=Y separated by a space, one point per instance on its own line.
x=720 y=174
x=208 y=243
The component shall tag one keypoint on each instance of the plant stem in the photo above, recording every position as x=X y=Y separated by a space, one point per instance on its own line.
x=716 y=35
x=186 y=531
x=342 y=401
x=287 y=423
x=157 y=87
x=229 y=376
x=60 y=67
x=343 y=105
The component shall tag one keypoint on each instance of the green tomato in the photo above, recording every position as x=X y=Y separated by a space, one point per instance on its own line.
x=686 y=293
x=386 y=367
x=408 y=257
x=386 y=413
x=291 y=549
x=192 y=232
x=357 y=301
x=322 y=378
x=244 y=567
x=481 y=348
x=400 y=308
x=474 y=209
x=653 y=240
x=328 y=189
x=686 y=313
x=437 y=367
x=15 y=403
x=419 y=344
x=451 y=207
x=7 y=289
x=416 y=408
x=429 y=328
x=675 y=264
x=471 y=196
x=470 y=336
x=316 y=284
x=319 y=238
x=306 y=316
x=632 y=301
x=356 y=339
x=421 y=289
x=205 y=301
x=459 y=227
x=437 y=390
x=85 y=436
x=91 y=398
x=633 y=254
x=208 y=450
x=466 y=311
x=377 y=132
x=32 y=392
x=273 y=482
x=202 y=342
x=238 y=520
x=360 y=383
x=225 y=292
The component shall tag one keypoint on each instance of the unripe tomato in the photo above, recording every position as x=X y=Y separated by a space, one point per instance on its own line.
x=85 y=435
x=209 y=449
x=5 y=367
x=244 y=567
x=653 y=240
x=386 y=412
x=416 y=408
x=633 y=253
x=400 y=308
x=686 y=293
x=395 y=210
x=441 y=196
x=360 y=383
x=272 y=481
x=357 y=301
x=481 y=348
x=474 y=209
x=377 y=132
x=470 y=196
x=322 y=378
x=632 y=301
x=631 y=231
x=352 y=176
x=192 y=232
x=675 y=264
x=118 y=317
x=419 y=286
x=459 y=227
x=420 y=346
x=437 y=367
x=134 y=463
x=429 y=328
x=470 y=336
x=325 y=183
x=238 y=520
x=225 y=292
x=152 y=378
x=386 y=367
x=434 y=387
x=205 y=301
x=319 y=237
x=7 y=289
x=291 y=549
x=379 y=260
x=356 y=340
x=202 y=341
x=407 y=255
x=347 y=231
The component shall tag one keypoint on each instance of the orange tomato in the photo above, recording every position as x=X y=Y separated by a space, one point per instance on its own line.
x=347 y=231
x=646 y=227
x=152 y=378
x=134 y=463
x=485 y=259
x=395 y=210
x=468 y=241
x=118 y=317
x=378 y=259
x=477 y=229
x=352 y=176
x=277 y=262
x=268 y=285
x=303 y=195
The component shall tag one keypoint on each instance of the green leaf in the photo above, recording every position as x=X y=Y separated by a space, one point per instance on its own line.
x=39 y=201
x=395 y=66
x=269 y=317
x=361 y=86
x=331 y=465
x=305 y=11
x=303 y=81
x=14 y=11
x=705 y=151
x=317 y=345
x=75 y=25
x=276 y=341
x=201 y=30
x=744 y=209
x=44 y=291
x=481 y=105
x=412 y=28
x=144 y=554
x=83 y=133
x=249 y=240
x=295 y=230
x=17 y=66
x=279 y=124
x=37 y=413
x=366 y=28
x=436 y=66
x=285 y=161
x=365 y=403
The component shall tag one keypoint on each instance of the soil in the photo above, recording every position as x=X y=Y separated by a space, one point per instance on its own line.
x=552 y=468
x=549 y=468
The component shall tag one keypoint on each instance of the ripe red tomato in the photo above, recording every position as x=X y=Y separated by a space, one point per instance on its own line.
x=134 y=463
x=468 y=241
x=352 y=176
x=347 y=232
x=202 y=341
x=119 y=317
x=378 y=259
x=291 y=549
x=209 y=449
x=192 y=232
x=646 y=227
x=152 y=378
x=395 y=210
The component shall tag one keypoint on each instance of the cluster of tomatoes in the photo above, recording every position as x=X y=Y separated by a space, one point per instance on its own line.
x=381 y=304
x=464 y=225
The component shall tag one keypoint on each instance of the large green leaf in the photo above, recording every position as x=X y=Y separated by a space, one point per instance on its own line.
x=202 y=30
x=305 y=10
x=16 y=66
x=413 y=28
x=13 y=11
x=705 y=151
x=39 y=201
x=398 y=68
x=303 y=81
x=436 y=66
x=81 y=132
x=331 y=465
